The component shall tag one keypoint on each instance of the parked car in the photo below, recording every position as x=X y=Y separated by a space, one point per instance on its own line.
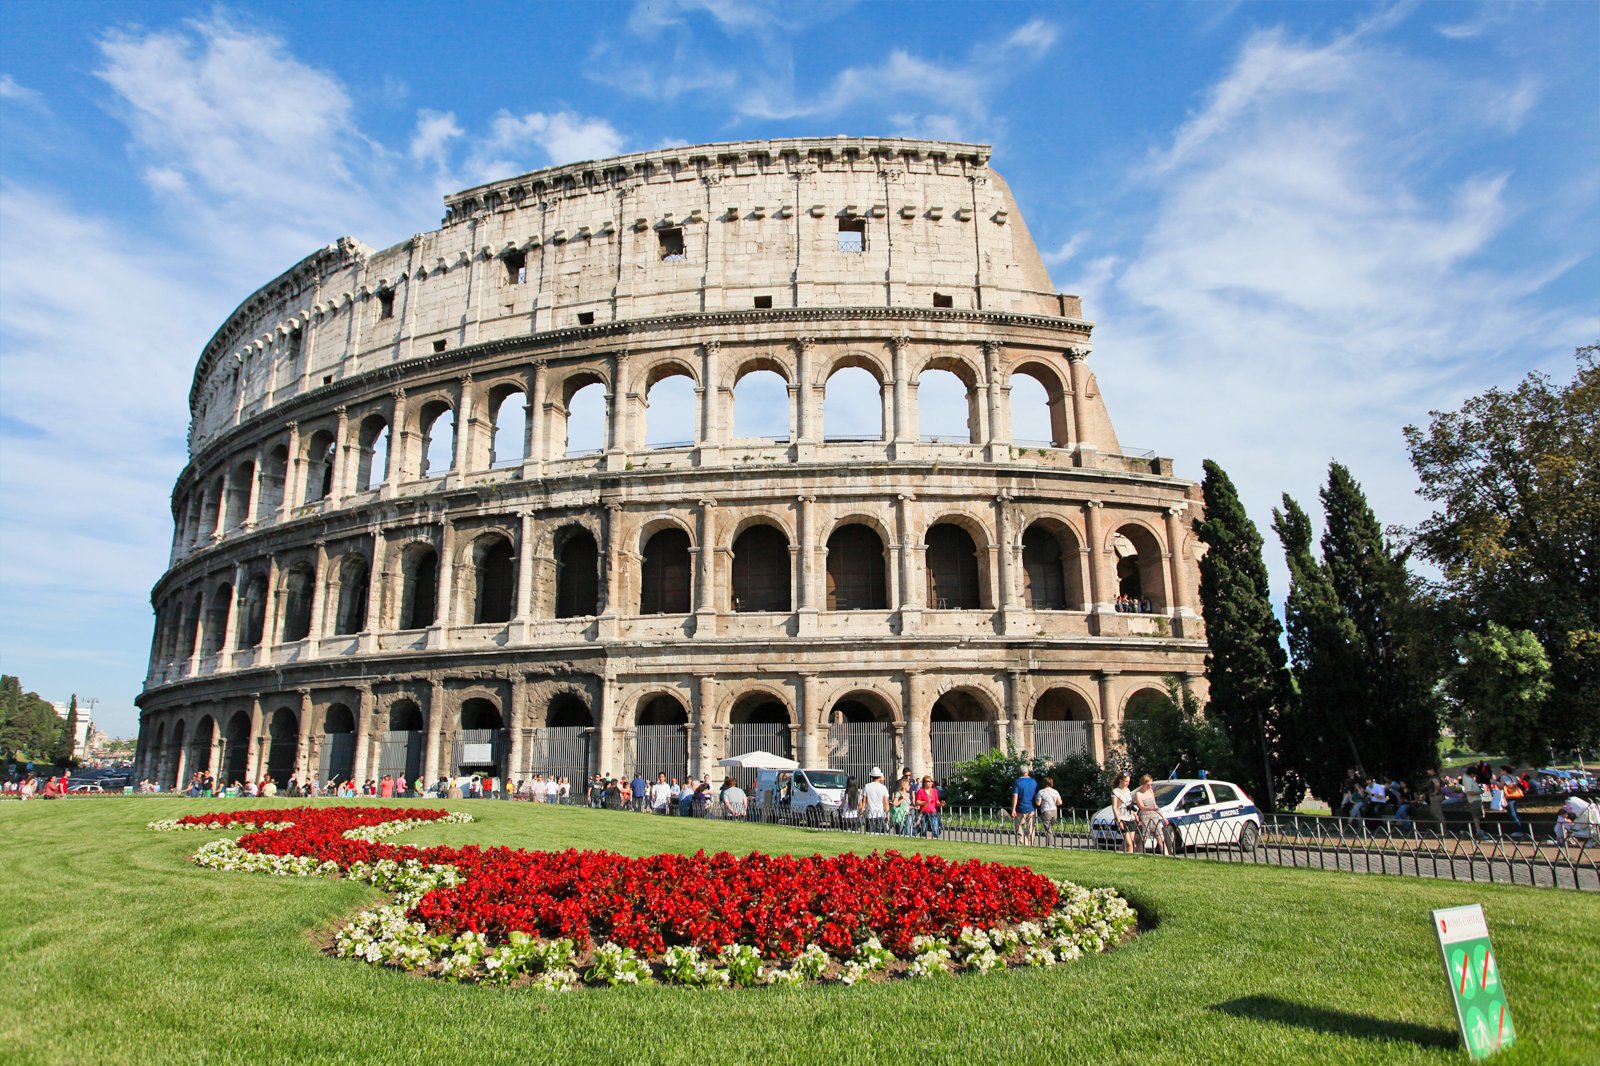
x=1199 y=813
x=88 y=786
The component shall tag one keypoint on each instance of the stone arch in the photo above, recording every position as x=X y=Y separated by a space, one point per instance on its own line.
x=759 y=718
x=945 y=385
x=761 y=575
x=956 y=564
x=274 y=479
x=963 y=723
x=666 y=578
x=583 y=430
x=857 y=566
x=1039 y=416
x=237 y=501
x=283 y=731
x=189 y=635
x=760 y=395
x=351 y=586
x=1139 y=557
x=201 y=746
x=1052 y=566
x=851 y=408
x=575 y=556
x=669 y=386
x=253 y=611
x=373 y=442
x=507 y=437
x=418 y=599
x=487 y=578
x=1062 y=719
x=860 y=731
x=157 y=766
x=660 y=735
x=337 y=756
x=321 y=462
x=236 y=753
x=480 y=740
x=436 y=437
x=219 y=605
x=296 y=591
x=568 y=708
x=177 y=771
x=402 y=746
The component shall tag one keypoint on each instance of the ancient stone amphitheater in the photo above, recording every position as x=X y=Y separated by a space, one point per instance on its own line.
x=396 y=554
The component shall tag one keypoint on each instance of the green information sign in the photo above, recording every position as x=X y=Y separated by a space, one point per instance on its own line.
x=1474 y=976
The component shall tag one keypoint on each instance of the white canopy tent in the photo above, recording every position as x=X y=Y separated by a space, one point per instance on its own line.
x=760 y=760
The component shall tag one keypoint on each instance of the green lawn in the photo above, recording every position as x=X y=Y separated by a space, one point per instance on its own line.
x=123 y=951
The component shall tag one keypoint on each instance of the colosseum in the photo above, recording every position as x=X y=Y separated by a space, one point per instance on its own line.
x=430 y=524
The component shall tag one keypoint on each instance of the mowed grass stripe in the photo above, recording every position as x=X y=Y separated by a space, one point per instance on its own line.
x=123 y=951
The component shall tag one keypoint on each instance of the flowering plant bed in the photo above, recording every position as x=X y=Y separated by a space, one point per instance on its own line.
x=559 y=919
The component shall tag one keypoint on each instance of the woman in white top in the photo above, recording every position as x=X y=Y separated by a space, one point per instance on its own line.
x=1122 y=810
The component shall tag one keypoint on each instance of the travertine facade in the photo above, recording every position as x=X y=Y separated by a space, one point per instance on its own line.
x=388 y=560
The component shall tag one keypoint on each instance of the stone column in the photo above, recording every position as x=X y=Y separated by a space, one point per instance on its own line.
x=807 y=422
x=319 y=598
x=1180 y=603
x=292 y=486
x=431 y=767
x=399 y=442
x=1005 y=599
x=251 y=519
x=253 y=762
x=340 y=487
x=711 y=435
x=516 y=725
x=706 y=727
x=609 y=610
x=377 y=588
x=466 y=429
x=809 y=715
x=705 y=623
x=364 y=711
x=918 y=713
x=805 y=584
x=1103 y=736
x=621 y=412
x=525 y=537
x=910 y=599
x=1078 y=367
x=269 y=610
x=999 y=439
x=903 y=433
x=302 y=746
x=533 y=444
x=1017 y=693
x=230 y=632
x=445 y=604
x=1102 y=585
x=605 y=735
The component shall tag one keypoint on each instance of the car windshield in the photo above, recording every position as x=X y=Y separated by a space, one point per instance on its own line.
x=826 y=778
x=1166 y=791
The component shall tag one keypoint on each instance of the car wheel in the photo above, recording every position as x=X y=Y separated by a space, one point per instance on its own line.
x=1174 y=840
x=1249 y=837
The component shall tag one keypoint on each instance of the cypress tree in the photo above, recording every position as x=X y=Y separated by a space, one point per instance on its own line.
x=69 y=742
x=1247 y=668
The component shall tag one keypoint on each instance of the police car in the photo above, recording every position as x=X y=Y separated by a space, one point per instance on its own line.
x=1199 y=813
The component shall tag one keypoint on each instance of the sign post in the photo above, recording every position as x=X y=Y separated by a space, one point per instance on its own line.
x=1482 y=1012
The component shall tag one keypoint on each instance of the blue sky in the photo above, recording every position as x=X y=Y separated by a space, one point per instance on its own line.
x=1298 y=226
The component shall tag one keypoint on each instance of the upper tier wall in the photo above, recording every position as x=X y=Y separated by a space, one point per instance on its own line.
x=759 y=225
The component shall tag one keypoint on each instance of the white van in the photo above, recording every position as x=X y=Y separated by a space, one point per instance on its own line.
x=812 y=794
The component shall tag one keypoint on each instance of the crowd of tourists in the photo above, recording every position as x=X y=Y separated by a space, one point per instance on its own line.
x=1126 y=604
x=31 y=785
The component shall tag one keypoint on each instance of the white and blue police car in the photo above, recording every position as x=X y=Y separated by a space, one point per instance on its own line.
x=1199 y=813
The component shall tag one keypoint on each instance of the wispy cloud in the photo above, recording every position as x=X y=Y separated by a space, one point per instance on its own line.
x=13 y=92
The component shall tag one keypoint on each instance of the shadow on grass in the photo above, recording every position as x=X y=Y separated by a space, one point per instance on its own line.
x=1335 y=1022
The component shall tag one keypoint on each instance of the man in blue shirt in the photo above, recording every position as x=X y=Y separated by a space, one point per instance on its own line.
x=638 y=786
x=1022 y=810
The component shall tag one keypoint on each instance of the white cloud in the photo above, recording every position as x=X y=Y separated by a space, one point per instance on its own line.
x=13 y=92
x=1065 y=253
x=435 y=130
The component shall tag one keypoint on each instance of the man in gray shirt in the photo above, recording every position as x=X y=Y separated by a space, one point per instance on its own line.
x=875 y=803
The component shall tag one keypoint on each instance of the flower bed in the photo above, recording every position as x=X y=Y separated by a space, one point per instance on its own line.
x=556 y=919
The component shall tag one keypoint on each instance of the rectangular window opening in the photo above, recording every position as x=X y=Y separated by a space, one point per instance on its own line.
x=763 y=301
x=943 y=299
x=516 y=268
x=853 y=235
x=327 y=379
x=439 y=345
x=671 y=243
x=294 y=343
x=585 y=318
x=386 y=303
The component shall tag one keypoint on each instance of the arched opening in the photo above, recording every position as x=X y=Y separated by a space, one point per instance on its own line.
x=661 y=738
x=861 y=735
x=564 y=746
x=508 y=442
x=354 y=581
x=338 y=758
x=321 y=460
x=577 y=573
x=253 y=612
x=664 y=585
x=671 y=412
x=852 y=406
x=857 y=572
x=400 y=752
x=944 y=408
x=479 y=741
x=236 y=761
x=1062 y=719
x=283 y=731
x=438 y=439
x=216 y=627
x=374 y=465
x=158 y=767
x=1140 y=588
x=274 y=473
x=238 y=498
x=761 y=570
x=298 y=585
x=201 y=744
x=177 y=763
x=584 y=431
x=1052 y=571
x=1038 y=410
x=961 y=727
x=1146 y=703
x=759 y=722
x=494 y=580
x=761 y=406
x=191 y=626
x=419 y=587
x=954 y=579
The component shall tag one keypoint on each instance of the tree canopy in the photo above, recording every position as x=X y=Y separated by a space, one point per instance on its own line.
x=30 y=728
x=1515 y=477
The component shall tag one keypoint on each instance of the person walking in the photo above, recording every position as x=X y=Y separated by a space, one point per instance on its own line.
x=1123 y=811
x=660 y=794
x=1152 y=823
x=927 y=801
x=735 y=804
x=1023 y=814
x=1049 y=803
x=875 y=803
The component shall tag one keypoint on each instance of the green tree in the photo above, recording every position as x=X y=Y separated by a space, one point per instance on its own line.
x=1247 y=668
x=1499 y=686
x=31 y=729
x=1359 y=634
x=69 y=735
x=987 y=778
x=1170 y=734
x=1515 y=479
